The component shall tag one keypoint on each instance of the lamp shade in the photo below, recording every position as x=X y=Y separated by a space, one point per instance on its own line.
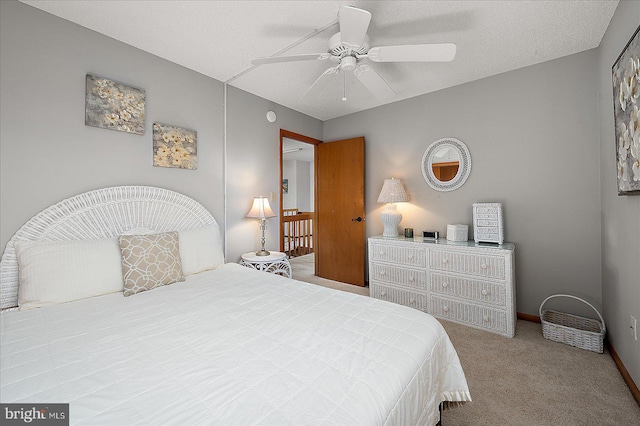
x=260 y=208
x=393 y=192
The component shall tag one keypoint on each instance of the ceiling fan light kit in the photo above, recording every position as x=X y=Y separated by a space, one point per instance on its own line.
x=348 y=63
x=349 y=48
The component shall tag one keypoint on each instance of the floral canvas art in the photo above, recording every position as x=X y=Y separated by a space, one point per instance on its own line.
x=626 y=93
x=114 y=106
x=174 y=147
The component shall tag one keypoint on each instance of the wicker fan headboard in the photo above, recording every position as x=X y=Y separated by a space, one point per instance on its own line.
x=103 y=213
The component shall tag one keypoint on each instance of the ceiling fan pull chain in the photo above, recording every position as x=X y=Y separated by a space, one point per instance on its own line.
x=344 y=87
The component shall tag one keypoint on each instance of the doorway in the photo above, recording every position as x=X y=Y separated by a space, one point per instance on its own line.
x=297 y=195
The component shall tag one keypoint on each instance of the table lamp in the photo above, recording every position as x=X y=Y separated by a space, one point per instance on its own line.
x=392 y=192
x=261 y=210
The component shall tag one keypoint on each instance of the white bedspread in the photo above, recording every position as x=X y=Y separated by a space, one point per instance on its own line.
x=236 y=347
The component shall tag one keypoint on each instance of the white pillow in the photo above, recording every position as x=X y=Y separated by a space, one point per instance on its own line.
x=53 y=272
x=200 y=249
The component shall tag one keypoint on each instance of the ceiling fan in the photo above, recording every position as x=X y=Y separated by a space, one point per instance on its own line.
x=350 y=50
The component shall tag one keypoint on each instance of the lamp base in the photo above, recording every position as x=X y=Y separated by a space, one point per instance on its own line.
x=262 y=253
x=390 y=219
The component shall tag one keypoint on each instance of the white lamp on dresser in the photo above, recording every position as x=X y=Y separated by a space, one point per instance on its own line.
x=392 y=192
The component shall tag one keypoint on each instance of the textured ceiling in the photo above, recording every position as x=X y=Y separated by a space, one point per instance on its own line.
x=220 y=38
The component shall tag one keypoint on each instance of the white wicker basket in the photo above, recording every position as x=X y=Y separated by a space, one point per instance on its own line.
x=574 y=330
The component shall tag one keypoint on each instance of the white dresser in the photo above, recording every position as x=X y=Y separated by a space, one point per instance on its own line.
x=463 y=282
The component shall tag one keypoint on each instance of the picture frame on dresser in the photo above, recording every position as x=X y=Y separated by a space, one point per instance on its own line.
x=467 y=283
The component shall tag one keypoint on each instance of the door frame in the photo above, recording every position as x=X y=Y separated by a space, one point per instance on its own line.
x=305 y=139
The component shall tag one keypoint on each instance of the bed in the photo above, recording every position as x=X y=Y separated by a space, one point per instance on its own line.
x=226 y=345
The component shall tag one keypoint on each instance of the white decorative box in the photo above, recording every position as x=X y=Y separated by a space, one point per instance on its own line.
x=457 y=232
x=487 y=223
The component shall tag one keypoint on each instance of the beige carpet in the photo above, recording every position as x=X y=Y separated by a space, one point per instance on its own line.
x=527 y=380
x=303 y=270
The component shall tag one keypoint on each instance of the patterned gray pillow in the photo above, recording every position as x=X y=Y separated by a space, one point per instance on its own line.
x=150 y=261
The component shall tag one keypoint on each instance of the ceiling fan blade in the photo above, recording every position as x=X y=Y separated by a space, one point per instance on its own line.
x=353 y=26
x=372 y=81
x=290 y=58
x=321 y=81
x=441 y=52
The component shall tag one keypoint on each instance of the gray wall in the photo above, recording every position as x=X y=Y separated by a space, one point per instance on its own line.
x=300 y=193
x=48 y=154
x=620 y=214
x=253 y=165
x=289 y=169
x=532 y=135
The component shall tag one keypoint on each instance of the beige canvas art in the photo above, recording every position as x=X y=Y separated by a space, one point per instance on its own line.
x=114 y=106
x=626 y=92
x=174 y=147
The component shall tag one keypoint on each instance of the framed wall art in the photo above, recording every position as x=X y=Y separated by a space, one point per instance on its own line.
x=174 y=147
x=114 y=106
x=626 y=102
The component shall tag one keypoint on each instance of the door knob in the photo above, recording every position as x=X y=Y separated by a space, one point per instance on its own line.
x=357 y=219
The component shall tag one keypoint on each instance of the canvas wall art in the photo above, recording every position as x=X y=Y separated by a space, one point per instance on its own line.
x=174 y=147
x=114 y=106
x=626 y=93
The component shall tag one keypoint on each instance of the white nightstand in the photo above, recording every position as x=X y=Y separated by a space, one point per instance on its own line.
x=275 y=263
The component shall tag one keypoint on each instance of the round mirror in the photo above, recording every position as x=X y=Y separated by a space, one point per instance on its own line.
x=446 y=164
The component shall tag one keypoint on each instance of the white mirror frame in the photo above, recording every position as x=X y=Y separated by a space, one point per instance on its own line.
x=463 y=170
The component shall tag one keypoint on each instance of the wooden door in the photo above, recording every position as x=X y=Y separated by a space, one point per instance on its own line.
x=340 y=212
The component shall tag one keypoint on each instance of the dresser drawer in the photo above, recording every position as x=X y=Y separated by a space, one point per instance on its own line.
x=470 y=314
x=493 y=221
x=468 y=289
x=409 y=256
x=398 y=275
x=466 y=263
x=403 y=297
x=487 y=210
x=488 y=233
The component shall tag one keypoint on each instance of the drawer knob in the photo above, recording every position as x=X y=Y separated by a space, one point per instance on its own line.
x=445 y=308
x=485 y=318
x=485 y=292
x=445 y=261
x=483 y=266
x=445 y=285
x=382 y=272
x=382 y=253
x=411 y=257
x=383 y=293
x=412 y=300
x=411 y=279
